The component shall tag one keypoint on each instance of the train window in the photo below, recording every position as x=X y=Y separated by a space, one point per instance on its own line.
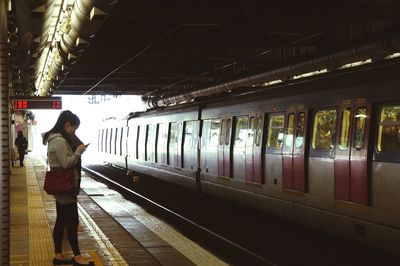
x=360 y=128
x=115 y=140
x=241 y=131
x=389 y=129
x=149 y=142
x=187 y=141
x=214 y=132
x=300 y=130
x=345 y=130
x=121 y=140
x=228 y=131
x=110 y=143
x=173 y=133
x=222 y=133
x=259 y=128
x=250 y=132
x=102 y=137
x=105 y=141
x=289 y=131
x=276 y=124
x=323 y=137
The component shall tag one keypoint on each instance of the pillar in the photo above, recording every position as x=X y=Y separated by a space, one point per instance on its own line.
x=4 y=140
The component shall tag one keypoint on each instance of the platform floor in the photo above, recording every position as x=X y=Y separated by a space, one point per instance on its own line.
x=113 y=231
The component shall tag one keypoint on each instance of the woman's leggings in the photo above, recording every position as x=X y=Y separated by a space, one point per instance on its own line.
x=67 y=216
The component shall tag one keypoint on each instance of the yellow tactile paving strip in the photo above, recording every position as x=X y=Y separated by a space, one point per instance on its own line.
x=19 y=234
x=187 y=247
x=31 y=235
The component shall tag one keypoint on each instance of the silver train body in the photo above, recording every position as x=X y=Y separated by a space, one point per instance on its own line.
x=324 y=152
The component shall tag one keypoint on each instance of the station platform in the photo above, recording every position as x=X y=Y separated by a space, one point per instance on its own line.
x=113 y=230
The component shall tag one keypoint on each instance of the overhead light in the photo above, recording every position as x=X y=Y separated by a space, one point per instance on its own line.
x=309 y=74
x=272 y=82
x=354 y=64
x=59 y=22
x=361 y=116
x=392 y=56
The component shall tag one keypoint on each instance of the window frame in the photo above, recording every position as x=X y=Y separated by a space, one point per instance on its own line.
x=317 y=152
x=273 y=150
x=383 y=156
x=354 y=133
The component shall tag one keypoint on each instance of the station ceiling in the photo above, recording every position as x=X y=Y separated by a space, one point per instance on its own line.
x=159 y=47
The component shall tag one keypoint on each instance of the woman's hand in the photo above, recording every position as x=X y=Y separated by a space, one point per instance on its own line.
x=81 y=148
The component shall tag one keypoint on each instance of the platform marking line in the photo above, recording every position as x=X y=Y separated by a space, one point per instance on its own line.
x=18 y=218
x=108 y=248
x=187 y=247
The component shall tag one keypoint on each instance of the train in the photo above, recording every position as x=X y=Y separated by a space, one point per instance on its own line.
x=323 y=151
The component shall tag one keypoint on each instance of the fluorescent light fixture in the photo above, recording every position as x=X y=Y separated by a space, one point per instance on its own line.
x=60 y=12
x=268 y=83
x=354 y=64
x=392 y=56
x=309 y=74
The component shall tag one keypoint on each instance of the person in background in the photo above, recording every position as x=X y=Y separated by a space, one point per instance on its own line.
x=65 y=150
x=22 y=145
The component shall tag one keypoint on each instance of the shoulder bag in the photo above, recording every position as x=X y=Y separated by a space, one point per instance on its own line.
x=59 y=181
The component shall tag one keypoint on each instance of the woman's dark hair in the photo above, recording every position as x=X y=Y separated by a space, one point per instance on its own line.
x=65 y=116
x=19 y=134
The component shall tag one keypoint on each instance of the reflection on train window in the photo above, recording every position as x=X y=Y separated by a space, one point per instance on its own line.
x=259 y=128
x=300 y=130
x=389 y=129
x=241 y=131
x=289 y=131
x=173 y=134
x=228 y=131
x=323 y=137
x=105 y=141
x=110 y=142
x=360 y=128
x=222 y=132
x=276 y=124
x=187 y=141
x=102 y=137
x=149 y=142
x=214 y=132
x=250 y=132
x=345 y=130
x=122 y=140
x=115 y=140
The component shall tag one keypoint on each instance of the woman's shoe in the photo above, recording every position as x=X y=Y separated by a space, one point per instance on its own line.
x=62 y=262
x=90 y=263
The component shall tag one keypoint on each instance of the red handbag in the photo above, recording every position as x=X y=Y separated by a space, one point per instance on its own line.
x=59 y=181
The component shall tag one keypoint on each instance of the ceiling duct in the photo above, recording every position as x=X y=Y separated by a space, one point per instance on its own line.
x=364 y=51
x=62 y=43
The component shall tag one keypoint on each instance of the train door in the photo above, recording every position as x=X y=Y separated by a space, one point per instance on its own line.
x=253 y=149
x=293 y=160
x=224 y=147
x=351 y=174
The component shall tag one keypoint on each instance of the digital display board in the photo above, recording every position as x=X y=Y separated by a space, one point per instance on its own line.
x=23 y=103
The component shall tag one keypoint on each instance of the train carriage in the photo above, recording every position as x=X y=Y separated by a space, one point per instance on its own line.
x=327 y=157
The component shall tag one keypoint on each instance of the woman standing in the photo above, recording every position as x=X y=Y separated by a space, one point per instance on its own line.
x=61 y=139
